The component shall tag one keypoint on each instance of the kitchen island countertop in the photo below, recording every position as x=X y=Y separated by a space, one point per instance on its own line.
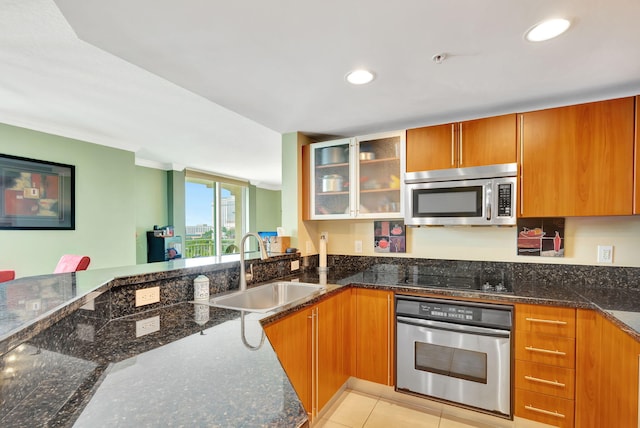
x=187 y=364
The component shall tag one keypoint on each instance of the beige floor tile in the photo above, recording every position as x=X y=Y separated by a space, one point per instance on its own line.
x=326 y=423
x=386 y=414
x=526 y=423
x=473 y=421
x=483 y=420
x=352 y=409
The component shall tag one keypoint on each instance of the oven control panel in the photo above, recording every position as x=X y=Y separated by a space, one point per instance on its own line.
x=454 y=311
x=436 y=310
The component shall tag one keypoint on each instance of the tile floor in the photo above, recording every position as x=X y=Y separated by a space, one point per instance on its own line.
x=357 y=409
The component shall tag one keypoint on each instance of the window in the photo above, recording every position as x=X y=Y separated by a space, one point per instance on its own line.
x=216 y=214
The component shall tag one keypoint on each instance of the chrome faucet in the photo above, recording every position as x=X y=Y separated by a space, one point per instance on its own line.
x=263 y=255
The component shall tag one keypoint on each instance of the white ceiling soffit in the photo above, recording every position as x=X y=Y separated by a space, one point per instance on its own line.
x=53 y=82
x=280 y=65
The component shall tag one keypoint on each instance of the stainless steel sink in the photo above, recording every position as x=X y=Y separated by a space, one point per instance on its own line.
x=268 y=297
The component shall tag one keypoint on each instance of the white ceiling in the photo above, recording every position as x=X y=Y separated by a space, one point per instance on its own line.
x=212 y=84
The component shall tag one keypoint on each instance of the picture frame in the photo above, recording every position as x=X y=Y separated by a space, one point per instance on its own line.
x=36 y=194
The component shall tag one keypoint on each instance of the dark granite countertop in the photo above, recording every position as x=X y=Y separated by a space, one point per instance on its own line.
x=194 y=370
x=186 y=364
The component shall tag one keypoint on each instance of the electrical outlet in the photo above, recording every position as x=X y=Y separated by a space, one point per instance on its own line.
x=605 y=253
x=147 y=326
x=358 y=245
x=295 y=265
x=326 y=236
x=146 y=296
x=309 y=247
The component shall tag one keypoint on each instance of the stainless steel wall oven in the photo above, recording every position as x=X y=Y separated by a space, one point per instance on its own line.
x=455 y=351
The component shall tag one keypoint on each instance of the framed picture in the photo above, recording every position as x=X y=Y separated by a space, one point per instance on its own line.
x=36 y=194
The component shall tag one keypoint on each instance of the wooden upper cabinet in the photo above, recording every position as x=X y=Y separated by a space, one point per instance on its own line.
x=431 y=147
x=577 y=160
x=487 y=141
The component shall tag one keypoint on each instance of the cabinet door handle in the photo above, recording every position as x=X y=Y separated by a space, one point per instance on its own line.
x=544 y=351
x=546 y=412
x=521 y=164
x=547 y=382
x=556 y=322
x=460 y=144
x=453 y=144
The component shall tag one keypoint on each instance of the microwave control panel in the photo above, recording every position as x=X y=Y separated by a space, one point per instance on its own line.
x=504 y=200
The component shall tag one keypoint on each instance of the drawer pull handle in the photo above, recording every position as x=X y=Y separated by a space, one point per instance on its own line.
x=548 y=382
x=556 y=322
x=546 y=412
x=544 y=351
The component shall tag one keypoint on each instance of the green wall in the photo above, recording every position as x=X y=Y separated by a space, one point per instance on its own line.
x=268 y=210
x=151 y=205
x=105 y=200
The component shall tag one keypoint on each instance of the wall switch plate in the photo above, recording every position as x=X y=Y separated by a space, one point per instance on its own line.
x=358 y=246
x=309 y=247
x=147 y=326
x=295 y=265
x=146 y=296
x=605 y=253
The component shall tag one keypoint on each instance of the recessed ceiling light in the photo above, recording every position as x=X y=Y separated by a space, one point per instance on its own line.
x=359 y=77
x=548 y=29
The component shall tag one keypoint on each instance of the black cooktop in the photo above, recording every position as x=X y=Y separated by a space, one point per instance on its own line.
x=495 y=281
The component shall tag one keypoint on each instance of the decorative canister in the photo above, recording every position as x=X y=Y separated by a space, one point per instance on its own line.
x=201 y=313
x=201 y=288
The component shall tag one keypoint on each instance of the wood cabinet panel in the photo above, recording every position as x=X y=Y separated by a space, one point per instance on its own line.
x=606 y=374
x=431 y=147
x=543 y=349
x=291 y=339
x=577 y=160
x=374 y=335
x=588 y=368
x=550 y=320
x=544 y=408
x=636 y=170
x=543 y=379
x=488 y=141
x=333 y=319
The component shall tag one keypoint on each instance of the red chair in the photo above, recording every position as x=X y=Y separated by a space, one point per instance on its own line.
x=72 y=263
x=7 y=275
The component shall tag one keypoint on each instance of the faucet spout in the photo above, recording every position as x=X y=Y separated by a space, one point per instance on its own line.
x=263 y=256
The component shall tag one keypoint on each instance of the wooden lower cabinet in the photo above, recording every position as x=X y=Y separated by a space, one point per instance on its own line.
x=333 y=362
x=374 y=335
x=545 y=343
x=291 y=338
x=313 y=345
x=606 y=373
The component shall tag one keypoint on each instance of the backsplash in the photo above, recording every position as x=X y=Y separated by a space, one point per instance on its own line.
x=575 y=276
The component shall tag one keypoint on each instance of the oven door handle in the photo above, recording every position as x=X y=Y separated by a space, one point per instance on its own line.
x=459 y=328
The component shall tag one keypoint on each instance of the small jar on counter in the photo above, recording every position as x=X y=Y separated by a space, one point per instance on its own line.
x=201 y=288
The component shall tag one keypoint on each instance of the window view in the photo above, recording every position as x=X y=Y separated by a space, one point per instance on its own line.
x=215 y=216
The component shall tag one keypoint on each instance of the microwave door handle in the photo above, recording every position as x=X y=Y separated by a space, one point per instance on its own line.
x=488 y=202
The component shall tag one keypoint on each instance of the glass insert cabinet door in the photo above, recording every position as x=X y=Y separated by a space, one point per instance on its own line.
x=357 y=177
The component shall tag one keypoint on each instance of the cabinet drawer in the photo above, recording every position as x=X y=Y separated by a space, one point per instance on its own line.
x=549 y=380
x=550 y=350
x=544 y=408
x=551 y=320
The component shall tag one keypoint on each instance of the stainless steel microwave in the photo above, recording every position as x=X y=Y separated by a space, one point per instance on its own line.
x=477 y=196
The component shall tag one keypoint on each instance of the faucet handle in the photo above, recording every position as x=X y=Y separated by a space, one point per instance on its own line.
x=249 y=275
